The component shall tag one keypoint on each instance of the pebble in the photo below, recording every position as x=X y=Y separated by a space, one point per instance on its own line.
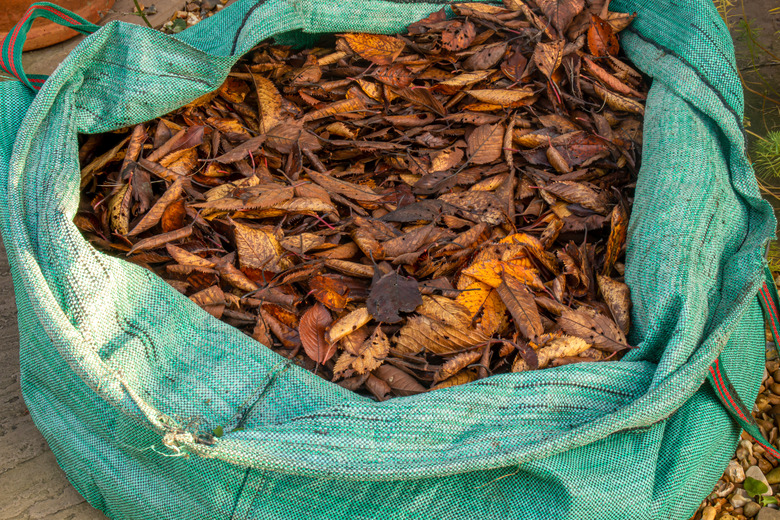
x=764 y=466
x=755 y=472
x=773 y=477
x=726 y=516
x=751 y=509
x=768 y=514
x=724 y=489
x=708 y=513
x=736 y=474
x=209 y=4
x=739 y=498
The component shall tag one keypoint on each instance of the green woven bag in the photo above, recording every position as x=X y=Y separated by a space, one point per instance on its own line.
x=121 y=372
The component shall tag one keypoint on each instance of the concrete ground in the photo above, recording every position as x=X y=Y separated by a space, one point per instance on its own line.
x=32 y=486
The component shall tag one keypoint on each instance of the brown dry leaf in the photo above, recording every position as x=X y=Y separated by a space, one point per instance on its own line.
x=392 y=294
x=184 y=257
x=352 y=191
x=372 y=353
x=594 y=328
x=161 y=239
x=565 y=346
x=399 y=381
x=379 y=388
x=347 y=324
x=269 y=103
x=173 y=216
x=463 y=80
x=258 y=248
x=618 y=102
x=578 y=193
x=520 y=303
x=446 y=159
x=303 y=243
x=486 y=58
x=617 y=237
x=548 y=56
x=395 y=75
x=345 y=106
x=485 y=144
x=235 y=277
x=456 y=364
x=290 y=135
x=312 y=328
x=155 y=213
x=211 y=300
x=458 y=35
x=261 y=333
x=505 y=98
x=242 y=150
x=491 y=272
x=376 y=48
x=601 y=38
x=561 y=12
x=119 y=210
x=618 y=298
x=422 y=333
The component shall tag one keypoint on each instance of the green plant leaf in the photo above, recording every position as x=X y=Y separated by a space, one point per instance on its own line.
x=218 y=431
x=767 y=500
x=755 y=487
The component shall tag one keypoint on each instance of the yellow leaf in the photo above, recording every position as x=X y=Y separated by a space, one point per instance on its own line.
x=347 y=324
x=466 y=376
x=491 y=271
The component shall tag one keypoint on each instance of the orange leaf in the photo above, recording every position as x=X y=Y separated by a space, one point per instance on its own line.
x=601 y=38
x=329 y=290
x=377 y=48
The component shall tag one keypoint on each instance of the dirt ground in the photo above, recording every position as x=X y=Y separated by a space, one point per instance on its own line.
x=32 y=486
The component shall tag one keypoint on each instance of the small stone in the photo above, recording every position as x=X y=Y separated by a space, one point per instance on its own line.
x=764 y=466
x=744 y=443
x=751 y=509
x=708 y=513
x=726 y=516
x=742 y=453
x=775 y=387
x=755 y=472
x=773 y=477
x=735 y=473
x=723 y=488
x=739 y=498
x=209 y=4
x=768 y=514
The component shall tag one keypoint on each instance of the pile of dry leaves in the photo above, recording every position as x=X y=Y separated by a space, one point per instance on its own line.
x=397 y=213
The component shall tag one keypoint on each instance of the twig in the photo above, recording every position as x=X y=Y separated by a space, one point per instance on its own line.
x=142 y=14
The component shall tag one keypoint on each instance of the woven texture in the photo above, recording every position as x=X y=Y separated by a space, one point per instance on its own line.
x=120 y=371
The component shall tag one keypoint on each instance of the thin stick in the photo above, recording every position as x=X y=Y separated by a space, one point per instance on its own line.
x=142 y=14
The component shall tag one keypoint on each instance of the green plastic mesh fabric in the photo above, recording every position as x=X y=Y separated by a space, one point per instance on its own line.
x=119 y=370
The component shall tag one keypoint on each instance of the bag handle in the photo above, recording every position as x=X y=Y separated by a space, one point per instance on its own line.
x=11 y=48
x=723 y=388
